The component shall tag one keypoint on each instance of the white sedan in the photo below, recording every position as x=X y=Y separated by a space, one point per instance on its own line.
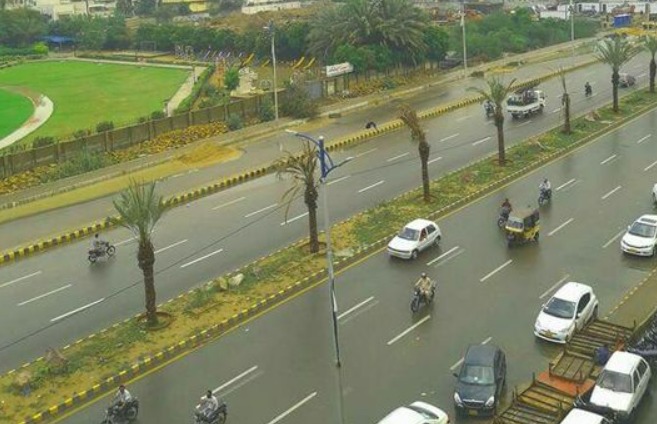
x=654 y=194
x=641 y=237
x=416 y=413
x=415 y=237
x=571 y=307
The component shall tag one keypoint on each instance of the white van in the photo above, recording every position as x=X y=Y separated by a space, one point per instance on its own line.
x=580 y=416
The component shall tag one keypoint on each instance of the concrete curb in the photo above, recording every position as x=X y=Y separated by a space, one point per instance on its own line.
x=308 y=282
x=249 y=175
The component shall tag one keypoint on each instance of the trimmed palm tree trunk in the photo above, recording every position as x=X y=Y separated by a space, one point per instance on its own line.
x=311 y=203
x=146 y=259
x=499 y=124
x=653 y=73
x=424 y=149
x=615 y=79
x=566 y=107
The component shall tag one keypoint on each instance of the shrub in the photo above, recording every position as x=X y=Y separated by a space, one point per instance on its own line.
x=81 y=134
x=297 y=102
x=81 y=162
x=104 y=126
x=43 y=141
x=477 y=74
x=158 y=114
x=234 y=122
x=266 y=112
x=389 y=83
x=40 y=49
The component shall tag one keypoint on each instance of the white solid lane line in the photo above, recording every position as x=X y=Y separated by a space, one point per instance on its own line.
x=232 y=380
x=201 y=258
x=365 y=153
x=353 y=308
x=524 y=123
x=463 y=118
x=80 y=309
x=609 y=159
x=647 y=168
x=642 y=139
x=293 y=408
x=338 y=180
x=17 y=280
x=232 y=202
x=249 y=215
x=434 y=160
x=398 y=157
x=572 y=180
x=638 y=76
x=372 y=186
x=442 y=256
x=294 y=219
x=449 y=137
x=556 y=110
x=554 y=286
x=409 y=329
x=611 y=192
x=496 y=270
x=483 y=140
x=460 y=361
x=613 y=239
x=41 y=296
x=560 y=227
x=122 y=242
x=178 y=243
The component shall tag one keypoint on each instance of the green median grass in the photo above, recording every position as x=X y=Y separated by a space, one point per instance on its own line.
x=15 y=109
x=85 y=93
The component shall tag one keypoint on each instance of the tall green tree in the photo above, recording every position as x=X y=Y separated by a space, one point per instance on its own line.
x=650 y=44
x=140 y=208
x=21 y=27
x=615 y=52
x=496 y=93
x=418 y=135
x=301 y=169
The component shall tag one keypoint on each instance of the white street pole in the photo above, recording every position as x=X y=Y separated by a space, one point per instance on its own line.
x=465 y=52
x=572 y=30
x=273 y=61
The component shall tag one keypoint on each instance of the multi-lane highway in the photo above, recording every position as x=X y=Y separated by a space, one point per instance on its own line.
x=60 y=296
x=279 y=368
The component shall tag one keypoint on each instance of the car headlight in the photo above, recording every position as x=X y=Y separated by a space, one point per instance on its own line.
x=491 y=401
x=457 y=399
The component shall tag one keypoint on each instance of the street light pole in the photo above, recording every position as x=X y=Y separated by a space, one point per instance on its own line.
x=270 y=28
x=572 y=30
x=326 y=166
x=465 y=52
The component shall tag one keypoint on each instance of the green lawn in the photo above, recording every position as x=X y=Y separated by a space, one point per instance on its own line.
x=85 y=93
x=15 y=109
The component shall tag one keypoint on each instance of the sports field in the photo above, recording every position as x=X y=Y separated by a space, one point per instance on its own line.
x=15 y=109
x=85 y=93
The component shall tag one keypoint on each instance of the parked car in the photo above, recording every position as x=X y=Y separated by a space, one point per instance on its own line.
x=567 y=311
x=415 y=237
x=450 y=62
x=581 y=416
x=481 y=379
x=416 y=413
x=626 y=80
x=622 y=384
x=641 y=237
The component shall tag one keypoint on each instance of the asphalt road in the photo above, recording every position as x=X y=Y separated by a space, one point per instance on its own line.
x=52 y=299
x=256 y=153
x=279 y=368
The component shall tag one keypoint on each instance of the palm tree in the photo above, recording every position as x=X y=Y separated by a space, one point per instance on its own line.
x=650 y=44
x=302 y=168
x=496 y=93
x=410 y=118
x=140 y=208
x=615 y=52
x=565 y=101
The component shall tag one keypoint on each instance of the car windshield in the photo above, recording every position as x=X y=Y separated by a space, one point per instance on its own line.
x=643 y=230
x=560 y=308
x=615 y=381
x=409 y=234
x=477 y=375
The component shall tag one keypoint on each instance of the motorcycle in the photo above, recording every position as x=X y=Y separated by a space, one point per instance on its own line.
x=115 y=414
x=490 y=110
x=106 y=250
x=504 y=216
x=544 y=197
x=217 y=417
x=419 y=298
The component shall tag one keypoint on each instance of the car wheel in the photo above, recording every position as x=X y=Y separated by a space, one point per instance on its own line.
x=414 y=254
x=437 y=241
x=594 y=316
x=653 y=251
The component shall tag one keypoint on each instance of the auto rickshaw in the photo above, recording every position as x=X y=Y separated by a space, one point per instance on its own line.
x=522 y=226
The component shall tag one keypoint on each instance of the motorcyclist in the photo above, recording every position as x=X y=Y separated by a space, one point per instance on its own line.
x=121 y=398
x=588 y=90
x=208 y=406
x=97 y=244
x=506 y=208
x=424 y=284
x=545 y=188
x=488 y=107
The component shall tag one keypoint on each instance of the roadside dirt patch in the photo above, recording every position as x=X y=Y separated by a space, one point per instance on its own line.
x=208 y=154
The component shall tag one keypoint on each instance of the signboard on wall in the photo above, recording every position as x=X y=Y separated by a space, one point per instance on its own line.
x=339 y=69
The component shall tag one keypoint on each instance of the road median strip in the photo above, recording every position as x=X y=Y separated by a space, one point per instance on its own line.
x=195 y=194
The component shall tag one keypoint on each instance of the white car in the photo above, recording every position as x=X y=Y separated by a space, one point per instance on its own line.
x=641 y=237
x=580 y=416
x=415 y=237
x=416 y=413
x=571 y=307
x=654 y=193
x=622 y=383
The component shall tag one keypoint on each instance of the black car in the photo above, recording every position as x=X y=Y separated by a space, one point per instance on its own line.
x=480 y=381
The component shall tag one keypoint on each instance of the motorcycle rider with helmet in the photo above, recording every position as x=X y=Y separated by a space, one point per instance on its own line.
x=588 y=90
x=545 y=189
x=424 y=285
x=98 y=244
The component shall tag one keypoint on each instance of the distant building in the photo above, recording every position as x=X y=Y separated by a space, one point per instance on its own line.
x=251 y=7
x=57 y=9
x=195 y=6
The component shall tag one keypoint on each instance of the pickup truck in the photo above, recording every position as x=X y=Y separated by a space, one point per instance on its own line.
x=524 y=103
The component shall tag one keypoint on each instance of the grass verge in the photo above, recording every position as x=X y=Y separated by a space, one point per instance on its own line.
x=15 y=109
